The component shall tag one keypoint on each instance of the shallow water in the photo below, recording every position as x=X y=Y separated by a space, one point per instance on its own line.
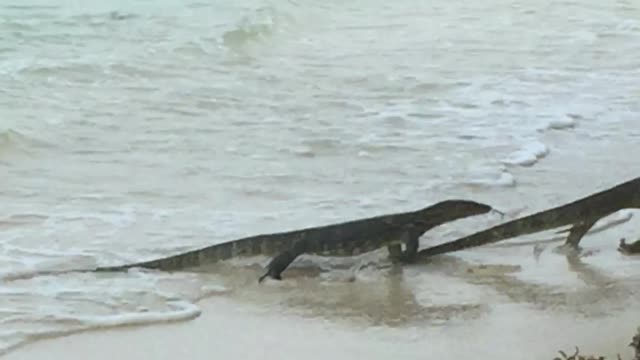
x=131 y=130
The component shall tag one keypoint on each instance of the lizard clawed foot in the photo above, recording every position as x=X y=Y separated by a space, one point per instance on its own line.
x=623 y=246
x=408 y=258
x=568 y=249
x=277 y=265
x=629 y=249
x=270 y=274
x=537 y=251
x=403 y=258
x=565 y=357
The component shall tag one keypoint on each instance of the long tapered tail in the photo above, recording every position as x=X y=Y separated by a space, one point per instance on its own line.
x=250 y=246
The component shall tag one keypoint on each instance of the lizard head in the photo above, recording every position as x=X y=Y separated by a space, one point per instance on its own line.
x=450 y=210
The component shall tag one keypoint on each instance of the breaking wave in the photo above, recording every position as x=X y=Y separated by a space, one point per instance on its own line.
x=258 y=26
x=15 y=142
x=528 y=154
x=12 y=141
x=67 y=304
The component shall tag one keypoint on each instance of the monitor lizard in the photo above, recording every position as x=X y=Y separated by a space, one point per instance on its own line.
x=343 y=239
x=581 y=214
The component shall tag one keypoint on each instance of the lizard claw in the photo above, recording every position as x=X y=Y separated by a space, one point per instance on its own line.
x=274 y=270
x=263 y=277
x=270 y=273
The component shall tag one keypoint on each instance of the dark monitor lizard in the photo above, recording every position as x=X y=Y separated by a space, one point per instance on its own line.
x=360 y=236
x=581 y=214
x=343 y=239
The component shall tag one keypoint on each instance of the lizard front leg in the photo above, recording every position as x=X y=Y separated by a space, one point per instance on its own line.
x=280 y=262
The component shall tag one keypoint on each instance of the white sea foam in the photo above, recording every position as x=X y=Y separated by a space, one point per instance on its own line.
x=528 y=155
x=491 y=177
x=179 y=311
x=569 y=121
x=63 y=304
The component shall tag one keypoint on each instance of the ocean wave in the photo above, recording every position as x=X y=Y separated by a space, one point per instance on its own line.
x=52 y=326
x=16 y=27
x=569 y=121
x=261 y=24
x=65 y=304
x=12 y=141
x=246 y=33
x=29 y=26
x=17 y=220
x=73 y=71
x=76 y=72
x=491 y=177
x=310 y=148
x=9 y=138
x=101 y=18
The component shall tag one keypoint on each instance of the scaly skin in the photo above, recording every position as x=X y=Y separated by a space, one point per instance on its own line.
x=582 y=214
x=343 y=239
x=370 y=234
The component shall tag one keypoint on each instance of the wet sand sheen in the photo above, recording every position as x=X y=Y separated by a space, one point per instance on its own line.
x=229 y=330
x=448 y=308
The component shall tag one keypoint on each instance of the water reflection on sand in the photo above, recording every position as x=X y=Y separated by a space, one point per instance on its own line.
x=446 y=289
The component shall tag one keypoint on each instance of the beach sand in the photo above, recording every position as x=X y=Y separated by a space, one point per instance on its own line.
x=226 y=330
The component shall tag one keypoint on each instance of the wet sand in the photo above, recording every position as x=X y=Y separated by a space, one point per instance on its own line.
x=227 y=330
x=452 y=307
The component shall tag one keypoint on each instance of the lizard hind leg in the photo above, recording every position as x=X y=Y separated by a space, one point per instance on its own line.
x=411 y=239
x=395 y=253
x=576 y=233
x=411 y=249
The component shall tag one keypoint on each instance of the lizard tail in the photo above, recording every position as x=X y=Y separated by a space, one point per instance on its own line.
x=255 y=245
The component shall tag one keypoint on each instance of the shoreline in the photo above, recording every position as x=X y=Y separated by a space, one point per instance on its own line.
x=247 y=334
x=253 y=324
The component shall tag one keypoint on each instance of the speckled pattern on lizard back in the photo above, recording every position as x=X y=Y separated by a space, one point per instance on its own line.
x=343 y=239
